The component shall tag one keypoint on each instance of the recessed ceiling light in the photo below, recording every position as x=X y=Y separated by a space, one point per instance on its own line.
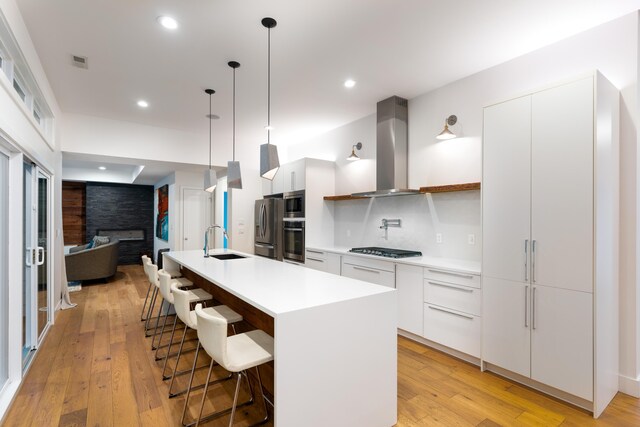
x=168 y=22
x=143 y=104
x=102 y=168
x=349 y=83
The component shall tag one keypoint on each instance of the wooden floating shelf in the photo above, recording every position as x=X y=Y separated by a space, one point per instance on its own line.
x=343 y=197
x=450 y=188
x=435 y=189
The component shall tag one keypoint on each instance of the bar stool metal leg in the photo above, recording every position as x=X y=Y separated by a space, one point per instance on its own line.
x=142 y=317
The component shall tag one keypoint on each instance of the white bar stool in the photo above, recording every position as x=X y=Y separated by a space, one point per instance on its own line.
x=236 y=354
x=188 y=317
x=194 y=295
x=144 y=266
x=152 y=271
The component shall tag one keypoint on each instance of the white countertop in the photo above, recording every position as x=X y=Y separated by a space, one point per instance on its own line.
x=272 y=286
x=459 y=265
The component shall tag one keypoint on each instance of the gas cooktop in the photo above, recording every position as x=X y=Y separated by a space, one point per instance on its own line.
x=385 y=252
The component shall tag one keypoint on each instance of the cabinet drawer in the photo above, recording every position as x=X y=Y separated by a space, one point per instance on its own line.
x=454 y=296
x=442 y=275
x=368 y=262
x=453 y=329
x=369 y=274
x=323 y=261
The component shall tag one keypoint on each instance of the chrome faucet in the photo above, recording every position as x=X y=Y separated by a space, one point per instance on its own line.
x=206 y=237
x=386 y=223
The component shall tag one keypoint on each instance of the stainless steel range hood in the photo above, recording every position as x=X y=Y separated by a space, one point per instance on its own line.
x=392 y=149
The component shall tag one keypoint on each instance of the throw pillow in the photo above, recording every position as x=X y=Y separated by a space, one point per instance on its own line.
x=89 y=245
x=100 y=241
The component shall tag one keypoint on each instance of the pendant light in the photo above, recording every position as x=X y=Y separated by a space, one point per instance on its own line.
x=210 y=178
x=269 y=162
x=234 y=177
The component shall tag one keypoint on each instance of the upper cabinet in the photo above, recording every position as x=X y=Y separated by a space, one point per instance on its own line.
x=549 y=228
x=290 y=177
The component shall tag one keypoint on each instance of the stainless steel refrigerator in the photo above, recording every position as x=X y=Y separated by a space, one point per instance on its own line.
x=268 y=214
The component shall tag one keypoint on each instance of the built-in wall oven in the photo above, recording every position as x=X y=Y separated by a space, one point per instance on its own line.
x=293 y=240
x=294 y=204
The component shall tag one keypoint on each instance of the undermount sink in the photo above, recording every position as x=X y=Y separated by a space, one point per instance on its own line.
x=227 y=256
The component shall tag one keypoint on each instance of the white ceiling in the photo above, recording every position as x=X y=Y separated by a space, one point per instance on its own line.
x=390 y=47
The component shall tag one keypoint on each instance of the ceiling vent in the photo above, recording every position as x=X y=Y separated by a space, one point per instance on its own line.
x=80 y=61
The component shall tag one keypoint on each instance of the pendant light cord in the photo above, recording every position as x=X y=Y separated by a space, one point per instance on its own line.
x=210 y=131
x=269 y=87
x=234 y=114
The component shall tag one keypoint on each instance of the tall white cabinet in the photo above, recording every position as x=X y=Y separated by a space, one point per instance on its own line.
x=550 y=245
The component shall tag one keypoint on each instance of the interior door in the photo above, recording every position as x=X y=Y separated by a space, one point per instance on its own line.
x=562 y=186
x=506 y=190
x=196 y=217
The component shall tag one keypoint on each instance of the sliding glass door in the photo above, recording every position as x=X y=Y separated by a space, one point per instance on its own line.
x=37 y=310
x=4 y=279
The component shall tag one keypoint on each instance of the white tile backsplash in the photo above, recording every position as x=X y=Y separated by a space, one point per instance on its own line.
x=454 y=215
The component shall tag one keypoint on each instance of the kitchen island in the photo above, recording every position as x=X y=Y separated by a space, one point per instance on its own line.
x=335 y=338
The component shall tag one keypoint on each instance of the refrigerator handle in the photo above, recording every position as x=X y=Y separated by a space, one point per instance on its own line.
x=263 y=222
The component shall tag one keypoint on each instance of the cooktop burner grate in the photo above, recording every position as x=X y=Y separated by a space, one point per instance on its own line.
x=385 y=252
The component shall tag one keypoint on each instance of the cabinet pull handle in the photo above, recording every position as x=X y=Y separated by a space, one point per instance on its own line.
x=526 y=305
x=450 y=312
x=315 y=259
x=533 y=308
x=315 y=252
x=366 y=269
x=533 y=262
x=526 y=261
x=448 y=285
x=450 y=273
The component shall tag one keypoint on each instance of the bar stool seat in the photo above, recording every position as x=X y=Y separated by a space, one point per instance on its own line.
x=236 y=354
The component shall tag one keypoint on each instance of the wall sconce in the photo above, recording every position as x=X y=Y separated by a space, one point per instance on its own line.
x=353 y=155
x=446 y=133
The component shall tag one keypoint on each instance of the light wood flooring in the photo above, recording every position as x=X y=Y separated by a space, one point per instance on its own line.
x=96 y=369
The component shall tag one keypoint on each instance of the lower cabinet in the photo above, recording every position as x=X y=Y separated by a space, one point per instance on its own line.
x=410 y=297
x=540 y=332
x=328 y=262
x=452 y=307
x=370 y=270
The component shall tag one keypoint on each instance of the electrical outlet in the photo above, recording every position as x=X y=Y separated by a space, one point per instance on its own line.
x=471 y=238
x=438 y=237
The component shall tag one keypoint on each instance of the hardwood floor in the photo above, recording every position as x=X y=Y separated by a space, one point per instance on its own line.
x=96 y=369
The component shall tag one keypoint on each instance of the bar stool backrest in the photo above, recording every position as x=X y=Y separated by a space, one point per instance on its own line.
x=164 y=283
x=212 y=333
x=181 y=305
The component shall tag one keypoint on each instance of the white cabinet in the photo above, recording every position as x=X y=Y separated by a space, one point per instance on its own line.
x=370 y=270
x=562 y=339
x=293 y=176
x=322 y=260
x=549 y=209
x=410 y=298
x=452 y=307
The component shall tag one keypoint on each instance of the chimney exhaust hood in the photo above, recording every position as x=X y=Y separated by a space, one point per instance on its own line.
x=392 y=149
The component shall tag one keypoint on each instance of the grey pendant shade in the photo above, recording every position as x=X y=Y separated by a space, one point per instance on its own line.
x=210 y=178
x=234 y=176
x=269 y=161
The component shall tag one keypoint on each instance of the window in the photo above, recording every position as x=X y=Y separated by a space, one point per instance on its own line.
x=18 y=88
x=37 y=115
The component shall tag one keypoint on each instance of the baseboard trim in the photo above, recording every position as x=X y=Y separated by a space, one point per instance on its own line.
x=628 y=385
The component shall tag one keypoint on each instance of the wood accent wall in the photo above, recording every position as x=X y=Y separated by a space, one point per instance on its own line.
x=74 y=215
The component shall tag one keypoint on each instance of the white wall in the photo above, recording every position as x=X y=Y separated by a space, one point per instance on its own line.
x=611 y=48
x=453 y=215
